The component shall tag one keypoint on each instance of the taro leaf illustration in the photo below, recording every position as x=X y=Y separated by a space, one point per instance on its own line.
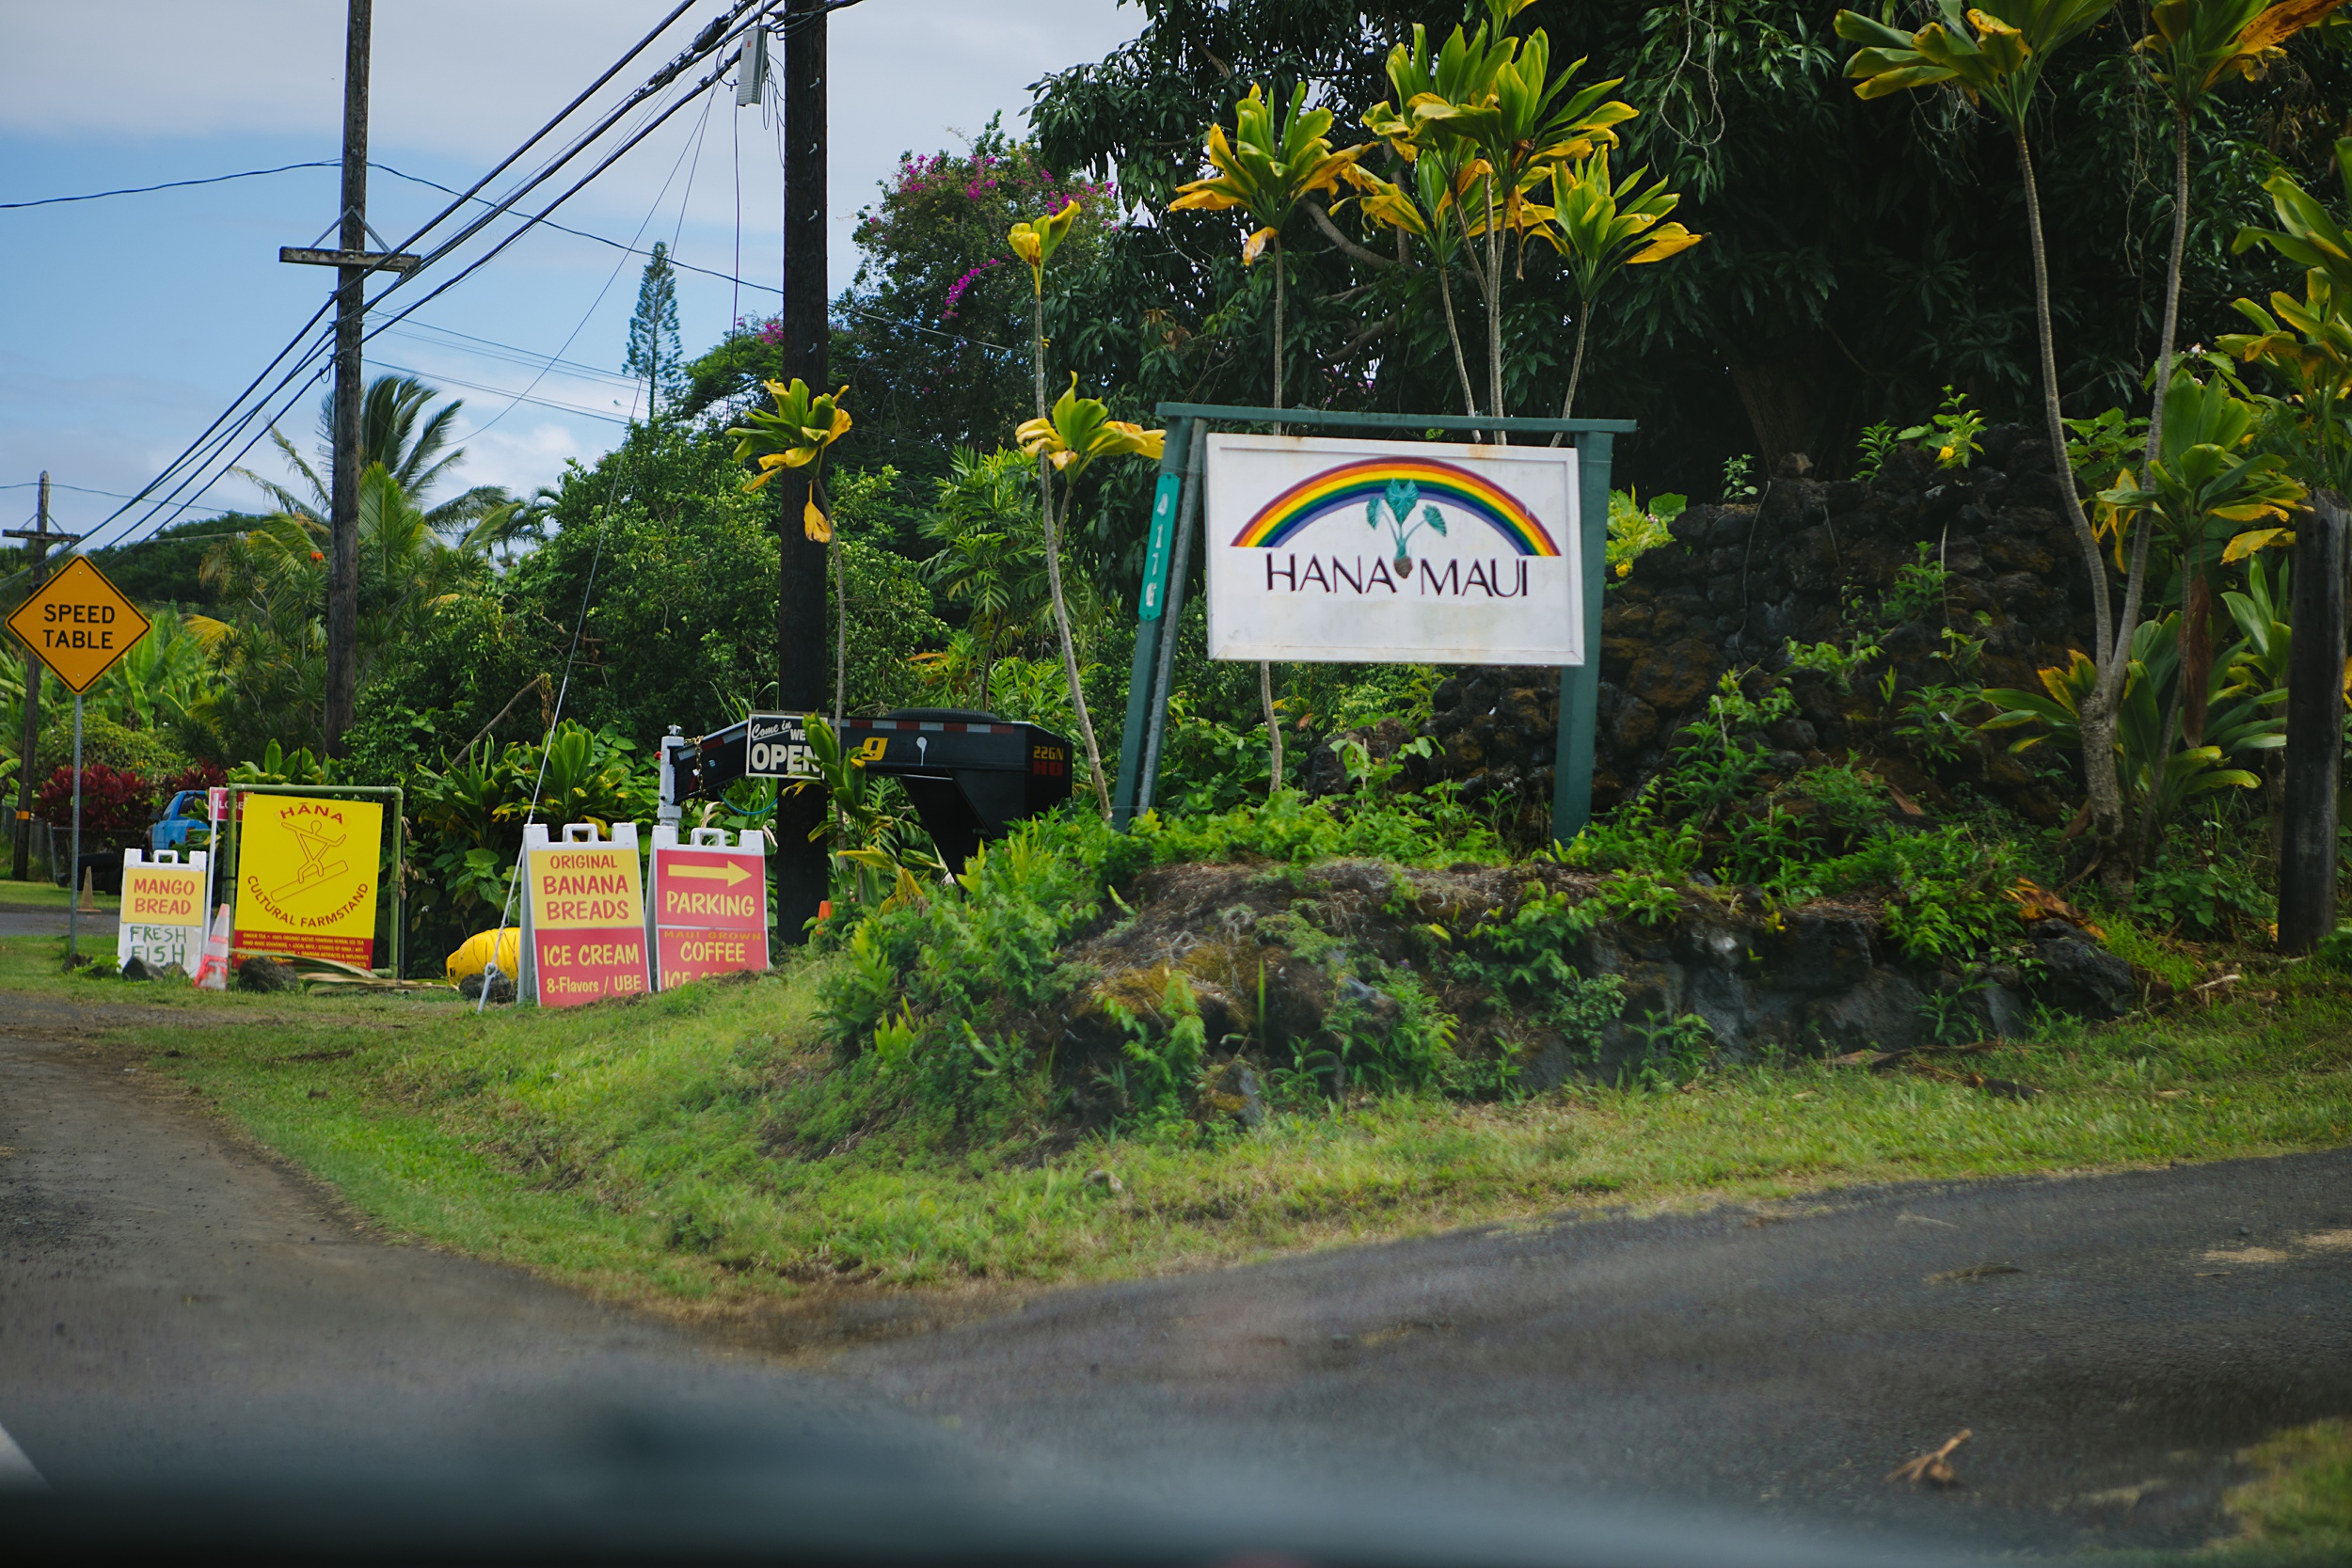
x=1435 y=518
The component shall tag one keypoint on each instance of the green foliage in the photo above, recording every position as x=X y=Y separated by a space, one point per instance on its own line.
x=1822 y=834
x=1921 y=586
x=2199 y=886
x=1634 y=528
x=277 y=766
x=929 y=342
x=1842 y=665
x=1872 y=447
x=654 y=355
x=2159 y=773
x=1738 y=478
x=1950 y=433
x=1674 y=1052
x=150 y=754
x=2102 y=446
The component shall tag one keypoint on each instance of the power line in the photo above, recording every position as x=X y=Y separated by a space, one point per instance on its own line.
x=706 y=43
x=512 y=354
x=169 y=184
x=503 y=392
x=55 y=485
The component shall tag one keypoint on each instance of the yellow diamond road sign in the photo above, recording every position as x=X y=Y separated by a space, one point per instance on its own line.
x=79 y=624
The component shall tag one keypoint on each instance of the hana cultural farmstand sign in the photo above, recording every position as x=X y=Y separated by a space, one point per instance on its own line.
x=1377 y=550
x=313 y=873
x=307 y=877
x=584 y=916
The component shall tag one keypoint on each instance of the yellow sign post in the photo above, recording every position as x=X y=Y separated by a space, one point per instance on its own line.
x=79 y=624
x=307 y=877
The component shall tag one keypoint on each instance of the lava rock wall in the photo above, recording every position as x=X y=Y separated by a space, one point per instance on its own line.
x=1810 y=561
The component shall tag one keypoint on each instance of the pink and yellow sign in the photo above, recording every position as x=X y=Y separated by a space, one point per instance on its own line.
x=710 y=907
x=587 y=919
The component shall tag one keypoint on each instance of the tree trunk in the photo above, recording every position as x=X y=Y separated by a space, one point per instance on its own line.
x=2308 y=850
x=1454 y=336
x=1069 y=648
x=1576 y=367
x=1782 y=395
x=1494 y=314
x=841 y=629
x=1277 y=325
x=1053 y=571
x=2135 y=577
x=2097 y=721
x=2171 y=285
x=2195 y=681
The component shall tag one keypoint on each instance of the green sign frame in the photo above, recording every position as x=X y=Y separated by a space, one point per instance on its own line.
x=1168 y=560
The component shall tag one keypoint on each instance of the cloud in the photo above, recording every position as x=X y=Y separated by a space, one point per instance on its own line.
x=521 y=460
x=164 y=90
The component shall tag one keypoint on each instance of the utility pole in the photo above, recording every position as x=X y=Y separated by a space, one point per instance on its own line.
x=2314 y=751
x=343 y=518
x=803 y=669
x=37 y=540
x=351 y=262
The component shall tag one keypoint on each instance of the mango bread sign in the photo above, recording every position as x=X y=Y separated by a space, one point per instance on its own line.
x=162 y=910
x=709 y=904
x=79 y=624
x=585 y=918
x=307 y=877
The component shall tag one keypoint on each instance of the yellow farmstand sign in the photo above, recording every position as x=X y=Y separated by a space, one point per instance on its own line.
x=307 y=877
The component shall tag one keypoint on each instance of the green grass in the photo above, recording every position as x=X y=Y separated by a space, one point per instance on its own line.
x=2295 y=1512
x=631 y=1148
x=43 y=896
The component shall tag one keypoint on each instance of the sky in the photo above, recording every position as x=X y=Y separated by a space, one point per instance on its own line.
x=127 y=324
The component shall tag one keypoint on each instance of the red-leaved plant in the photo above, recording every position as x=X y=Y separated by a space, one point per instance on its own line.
x=115 y=800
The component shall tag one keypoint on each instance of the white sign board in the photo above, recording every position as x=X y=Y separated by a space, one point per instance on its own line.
x=1394 y=552
x=162 y=910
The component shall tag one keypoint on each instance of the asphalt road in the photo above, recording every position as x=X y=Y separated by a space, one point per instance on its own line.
x=21 y=921
x=171 y=1300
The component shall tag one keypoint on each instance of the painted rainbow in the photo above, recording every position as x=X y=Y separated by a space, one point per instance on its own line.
x=1357 y=484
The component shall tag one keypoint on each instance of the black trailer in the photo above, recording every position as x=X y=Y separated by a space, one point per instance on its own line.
x=971 y=775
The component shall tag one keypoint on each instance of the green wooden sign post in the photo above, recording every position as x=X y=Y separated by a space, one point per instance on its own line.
x=1168 y=560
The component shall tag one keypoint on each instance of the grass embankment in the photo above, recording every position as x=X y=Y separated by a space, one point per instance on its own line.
x=45 y=895
x=630 y=1148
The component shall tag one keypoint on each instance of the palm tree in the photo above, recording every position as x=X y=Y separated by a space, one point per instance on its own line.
x=396 y=432
x=269 y=640
x=988 y=550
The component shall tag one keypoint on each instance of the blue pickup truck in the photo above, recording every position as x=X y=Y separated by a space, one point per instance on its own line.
x=184 y=825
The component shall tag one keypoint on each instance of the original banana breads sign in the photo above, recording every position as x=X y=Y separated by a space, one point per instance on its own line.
x=1380 y=551
x=584 y=927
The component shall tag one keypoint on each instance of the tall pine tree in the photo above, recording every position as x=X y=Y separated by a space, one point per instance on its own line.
x=653 y=339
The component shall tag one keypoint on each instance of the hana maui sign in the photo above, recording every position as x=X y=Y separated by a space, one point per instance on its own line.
x=1376 y=551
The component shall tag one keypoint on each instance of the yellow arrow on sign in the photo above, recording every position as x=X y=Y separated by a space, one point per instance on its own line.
x=730 y=873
